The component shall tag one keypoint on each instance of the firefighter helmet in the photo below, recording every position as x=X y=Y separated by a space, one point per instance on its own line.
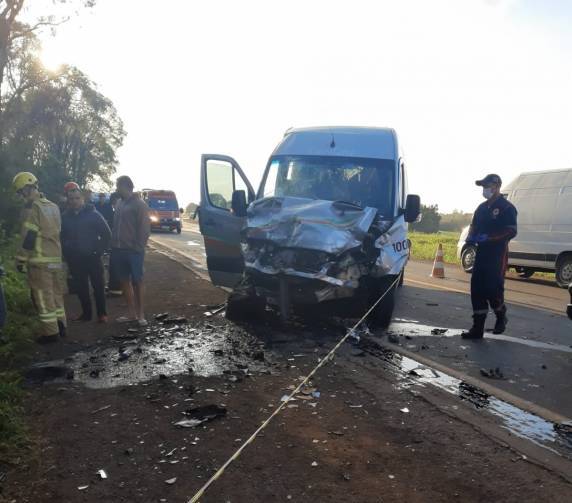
x=23 y=179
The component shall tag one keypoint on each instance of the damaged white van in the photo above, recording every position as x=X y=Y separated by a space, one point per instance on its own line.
x=328 y=223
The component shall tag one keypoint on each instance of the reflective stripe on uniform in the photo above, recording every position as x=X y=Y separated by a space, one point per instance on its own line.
x=60 y=312
x=45 y=260
x=481 y=311
x=31 y=226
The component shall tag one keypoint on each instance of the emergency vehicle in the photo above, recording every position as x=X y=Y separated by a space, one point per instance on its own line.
x=164 y=211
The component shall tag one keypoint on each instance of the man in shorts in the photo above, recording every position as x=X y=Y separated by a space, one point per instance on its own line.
x=131 y=229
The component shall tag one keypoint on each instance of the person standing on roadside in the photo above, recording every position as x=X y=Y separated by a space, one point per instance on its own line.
x=493 y=226
x=131 y=230
x=569 y=308
x=105 y=209
x=113 y=286
x=85 y=237
x=40 y=255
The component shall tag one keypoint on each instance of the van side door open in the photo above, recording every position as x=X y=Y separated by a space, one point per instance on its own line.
x=225 y=191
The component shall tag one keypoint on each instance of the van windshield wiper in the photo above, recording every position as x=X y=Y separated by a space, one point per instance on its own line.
x=340 y=205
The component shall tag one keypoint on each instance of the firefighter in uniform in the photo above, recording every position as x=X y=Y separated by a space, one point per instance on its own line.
x=569 y=308
x=40 y=255
x=493 y=226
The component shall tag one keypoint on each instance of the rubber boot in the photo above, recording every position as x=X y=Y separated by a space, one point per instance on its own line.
x=62 y=329
x=477 y=331
x=502 y=320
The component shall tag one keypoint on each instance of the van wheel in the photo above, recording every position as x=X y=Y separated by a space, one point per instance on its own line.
x=383 y=312
x=468 y=258
x=243 y=307
x=564 y=271
x=524 y=272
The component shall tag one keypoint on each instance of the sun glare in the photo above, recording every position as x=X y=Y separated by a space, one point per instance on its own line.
x=51 y=58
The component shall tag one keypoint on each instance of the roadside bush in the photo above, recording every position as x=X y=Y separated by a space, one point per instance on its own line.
x=15 y=349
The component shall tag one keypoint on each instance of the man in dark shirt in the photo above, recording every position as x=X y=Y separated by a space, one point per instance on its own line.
x=493 y=226
x=105 y=208
x=85 y=236
x=569 y=308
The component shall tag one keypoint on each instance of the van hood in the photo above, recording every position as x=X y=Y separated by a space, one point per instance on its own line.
x=293 y=222
x=334 y=242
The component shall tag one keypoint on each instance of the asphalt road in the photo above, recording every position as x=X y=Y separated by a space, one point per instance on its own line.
x=533 y=357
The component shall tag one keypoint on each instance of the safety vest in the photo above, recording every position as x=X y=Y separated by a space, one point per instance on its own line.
x=43 y=218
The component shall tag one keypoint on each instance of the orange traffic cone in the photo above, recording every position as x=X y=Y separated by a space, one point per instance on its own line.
x=439 y=265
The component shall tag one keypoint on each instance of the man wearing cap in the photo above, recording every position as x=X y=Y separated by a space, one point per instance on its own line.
x=40 y=256
x=493 y=226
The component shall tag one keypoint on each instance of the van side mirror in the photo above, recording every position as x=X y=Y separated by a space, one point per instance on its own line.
x=412 y=208
x=238 y=204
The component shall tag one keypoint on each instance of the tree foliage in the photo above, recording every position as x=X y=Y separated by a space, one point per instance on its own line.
x=455 y=221
x=430 y=219
x=55 y=124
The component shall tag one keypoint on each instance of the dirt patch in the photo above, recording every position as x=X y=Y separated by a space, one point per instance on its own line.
x=352 y=442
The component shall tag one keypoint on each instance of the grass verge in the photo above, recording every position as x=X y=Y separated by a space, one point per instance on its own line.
x=424 y=246
x=15 y=346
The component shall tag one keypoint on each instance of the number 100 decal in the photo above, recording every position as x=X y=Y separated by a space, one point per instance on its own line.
x=401 y=246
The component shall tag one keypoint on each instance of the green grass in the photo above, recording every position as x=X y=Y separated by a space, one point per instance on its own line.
x=424 y=246
x=15 y=349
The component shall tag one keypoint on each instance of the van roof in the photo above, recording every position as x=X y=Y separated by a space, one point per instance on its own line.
x=566 y=174
x=343 y=141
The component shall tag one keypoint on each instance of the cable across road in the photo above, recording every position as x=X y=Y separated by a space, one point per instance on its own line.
x=200 y=493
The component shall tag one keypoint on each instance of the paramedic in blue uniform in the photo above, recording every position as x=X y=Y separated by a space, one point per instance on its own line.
x=493 y=226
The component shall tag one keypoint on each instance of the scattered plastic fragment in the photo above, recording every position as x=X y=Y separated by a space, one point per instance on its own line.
x=314 y=463
x=171 y=481
x=405 y=410
x=101 y=409
x=492 y=374
x=102 y=474
x=439 y=331
x=82 y=488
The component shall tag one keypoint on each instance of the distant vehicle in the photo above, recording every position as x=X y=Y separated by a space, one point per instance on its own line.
x=328 y=223
x=544 y=241
x=164 y=211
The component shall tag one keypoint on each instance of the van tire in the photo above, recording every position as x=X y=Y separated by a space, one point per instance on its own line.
x=242 y=307
x=468 y=258
x=564 y=271
x=383 y=312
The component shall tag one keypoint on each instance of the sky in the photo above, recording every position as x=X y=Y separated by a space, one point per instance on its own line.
x=471 y=87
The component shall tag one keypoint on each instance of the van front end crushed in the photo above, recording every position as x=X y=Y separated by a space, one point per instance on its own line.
x=324 y=250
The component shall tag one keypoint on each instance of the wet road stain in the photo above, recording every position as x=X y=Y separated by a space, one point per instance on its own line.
x=411 y=373
x=207 y=349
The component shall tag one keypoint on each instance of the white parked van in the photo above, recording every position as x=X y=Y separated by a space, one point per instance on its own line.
x=544 y=241
x=328 y=221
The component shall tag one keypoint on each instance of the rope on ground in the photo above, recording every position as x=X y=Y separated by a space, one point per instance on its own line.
x=199 y=494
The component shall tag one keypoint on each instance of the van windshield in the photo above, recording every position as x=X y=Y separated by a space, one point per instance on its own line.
x=162 y=204
x=362 y=181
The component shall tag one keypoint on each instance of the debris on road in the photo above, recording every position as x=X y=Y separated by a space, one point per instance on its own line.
x=492 y=374
x=171 y=481
x=200 y=415
x=405 y=410
x=101 y=409
x=102 y=474
x=82 y=488
x=439 y=331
